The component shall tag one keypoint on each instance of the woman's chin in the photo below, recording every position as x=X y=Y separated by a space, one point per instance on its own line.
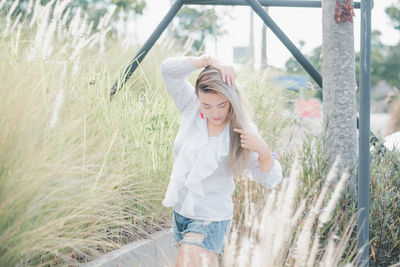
x=218 y=122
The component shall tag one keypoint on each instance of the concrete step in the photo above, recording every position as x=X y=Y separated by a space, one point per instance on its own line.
x=156 y=251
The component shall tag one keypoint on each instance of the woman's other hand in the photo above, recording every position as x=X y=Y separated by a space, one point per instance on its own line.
x=227 y=71
x=253 y=142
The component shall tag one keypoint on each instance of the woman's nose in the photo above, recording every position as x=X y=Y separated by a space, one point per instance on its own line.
x=215 y=113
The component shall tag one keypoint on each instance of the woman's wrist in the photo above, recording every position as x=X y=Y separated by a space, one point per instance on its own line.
x=264 y=157
x=205 y=58
x=200 y=61
x=265 y=162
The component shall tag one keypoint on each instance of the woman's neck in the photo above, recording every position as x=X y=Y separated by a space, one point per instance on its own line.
x=215 y=130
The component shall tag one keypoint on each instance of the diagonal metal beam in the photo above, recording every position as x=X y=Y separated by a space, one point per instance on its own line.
x=277 y=3
x=255 y=5
x=147 y=46
x=270 y=23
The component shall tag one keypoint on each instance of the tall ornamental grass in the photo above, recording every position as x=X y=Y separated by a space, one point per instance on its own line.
x=81 y=175
x=265 y=218
x=281 y=231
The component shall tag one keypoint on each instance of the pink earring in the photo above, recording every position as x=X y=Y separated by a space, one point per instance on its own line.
x=201 y=114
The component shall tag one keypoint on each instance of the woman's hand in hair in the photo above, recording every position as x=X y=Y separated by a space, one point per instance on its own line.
x=227 y=72
x=253 y=142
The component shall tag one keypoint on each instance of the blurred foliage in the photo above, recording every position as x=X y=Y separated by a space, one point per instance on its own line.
x=294 y=67
x=378 y=58
x=384 y=62
x=384 y=222
x=95 y=9
x=384 y=208
x=393 y=12
x=199 y=23
x=392 y=65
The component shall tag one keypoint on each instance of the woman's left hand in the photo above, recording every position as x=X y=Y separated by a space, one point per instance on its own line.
x=227 y=72
x=252 y=142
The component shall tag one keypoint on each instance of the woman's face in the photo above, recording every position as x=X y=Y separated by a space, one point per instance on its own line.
x=215 y=107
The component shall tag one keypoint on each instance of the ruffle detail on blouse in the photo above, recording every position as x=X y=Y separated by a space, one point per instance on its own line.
x=195 y=162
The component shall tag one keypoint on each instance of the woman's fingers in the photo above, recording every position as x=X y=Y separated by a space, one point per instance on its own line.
x=223 y=76
x=234 y=84
x=229 y=76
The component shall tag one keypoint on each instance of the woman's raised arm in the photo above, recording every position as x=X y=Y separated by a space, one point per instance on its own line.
x=227 y=72
x=174 y=71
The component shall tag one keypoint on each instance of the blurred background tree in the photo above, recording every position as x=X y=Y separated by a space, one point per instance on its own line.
x=384 y=58
x=197 y=24
x=95 y=9
x=293 y=66
x=392 y=66
x=394 y=14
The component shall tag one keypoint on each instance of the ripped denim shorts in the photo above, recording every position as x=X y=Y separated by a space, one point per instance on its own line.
x=214 y=232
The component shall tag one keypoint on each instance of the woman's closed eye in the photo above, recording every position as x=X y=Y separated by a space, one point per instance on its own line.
x=207 y=107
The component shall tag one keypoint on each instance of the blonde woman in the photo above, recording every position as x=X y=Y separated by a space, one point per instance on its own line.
x=216 y=141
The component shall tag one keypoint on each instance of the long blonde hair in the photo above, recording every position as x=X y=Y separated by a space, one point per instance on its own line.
x=240 y=116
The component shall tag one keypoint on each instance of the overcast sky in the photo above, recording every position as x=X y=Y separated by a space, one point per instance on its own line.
x=298 y=24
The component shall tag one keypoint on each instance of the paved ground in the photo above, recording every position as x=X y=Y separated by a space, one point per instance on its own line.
x=313 y=126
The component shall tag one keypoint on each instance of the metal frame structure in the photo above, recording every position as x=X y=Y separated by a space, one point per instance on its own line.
x=363 y=124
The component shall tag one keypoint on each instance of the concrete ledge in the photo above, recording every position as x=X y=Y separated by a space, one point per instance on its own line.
x=156 y=251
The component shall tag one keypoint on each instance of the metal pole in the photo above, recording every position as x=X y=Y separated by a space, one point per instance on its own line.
x=286 y=41
x=147 y=46
x=277 y=3
x=364 y=136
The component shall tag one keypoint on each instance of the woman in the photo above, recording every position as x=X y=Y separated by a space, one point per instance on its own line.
x=216 y=141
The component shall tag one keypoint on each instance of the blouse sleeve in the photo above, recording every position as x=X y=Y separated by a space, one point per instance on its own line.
x=269 y=179
x=174 y=71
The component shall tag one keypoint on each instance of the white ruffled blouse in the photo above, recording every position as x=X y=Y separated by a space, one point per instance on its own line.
x=200 y=187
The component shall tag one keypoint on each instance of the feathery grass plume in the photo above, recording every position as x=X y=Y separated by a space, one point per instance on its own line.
x=303 y=242
x=15 y=48
x=2 y=4
x=62 y=27
x=274 y=238
x=47 y=46
x=121 y=24
x=44 y=16
x=80 y=42
x=285 y=222
x=325 y=216
x=8 y=17
x=16 y=22
x=326 y=213
x=59 y=8
x=36 y=11
x=102 y=39
x=74 y=26
x=103 y=27
x=105 y=20
x=314 y=250
x=83 y=30
x=29 y=9
x=57 y=105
